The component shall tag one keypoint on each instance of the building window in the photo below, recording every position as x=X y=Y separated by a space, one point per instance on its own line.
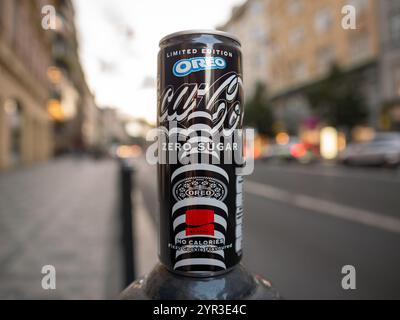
x=16 y=26
x=394 y=5
x=274 y=48
x=396 y=79
x=394 y=24
x=360 y=48
x=299 y=71
x=297 y=36
x=360 y=5
x=258 y=61
x=1 y=15
x=323 y=20
x=13 y=112
x=325 y=59
x=257 y=34
x=295 y=7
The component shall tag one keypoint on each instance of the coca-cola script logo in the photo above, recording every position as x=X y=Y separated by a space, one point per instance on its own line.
x=201 y=123
x=217 y=106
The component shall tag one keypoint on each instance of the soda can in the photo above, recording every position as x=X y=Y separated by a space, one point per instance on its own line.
x=200 y=115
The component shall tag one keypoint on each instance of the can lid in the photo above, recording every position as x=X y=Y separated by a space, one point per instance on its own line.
x=200 y=31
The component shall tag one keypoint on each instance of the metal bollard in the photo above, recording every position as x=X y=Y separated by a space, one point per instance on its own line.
x=237 y=284
x=126 y=187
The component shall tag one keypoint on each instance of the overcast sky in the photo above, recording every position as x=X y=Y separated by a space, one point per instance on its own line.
x=119 y=44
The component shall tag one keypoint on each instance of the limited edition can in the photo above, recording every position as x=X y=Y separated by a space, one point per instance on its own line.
x=200 y=115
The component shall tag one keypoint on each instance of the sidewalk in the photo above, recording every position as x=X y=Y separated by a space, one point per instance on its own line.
x=146 y=218
x=145 y=237
x=64 y=213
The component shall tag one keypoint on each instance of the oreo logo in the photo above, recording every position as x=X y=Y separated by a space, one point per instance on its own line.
x=185 y=67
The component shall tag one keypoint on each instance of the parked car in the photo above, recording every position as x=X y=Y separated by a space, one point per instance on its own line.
x=384 y=149
x=293 y=150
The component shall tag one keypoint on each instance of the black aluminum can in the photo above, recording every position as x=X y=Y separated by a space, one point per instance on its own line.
x=200 y=104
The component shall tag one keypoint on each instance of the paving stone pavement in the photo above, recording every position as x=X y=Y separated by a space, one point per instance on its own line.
x=63 y=213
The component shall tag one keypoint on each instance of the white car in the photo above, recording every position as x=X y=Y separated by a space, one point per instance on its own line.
x=384 y=149
x=283 y=152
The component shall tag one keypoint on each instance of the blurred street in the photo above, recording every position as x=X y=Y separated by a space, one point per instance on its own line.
x=303 y=250
x=302 y=245
x=302 y=225
x=63 y=213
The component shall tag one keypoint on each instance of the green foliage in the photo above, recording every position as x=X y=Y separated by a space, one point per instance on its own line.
x=258 y=112
x=338 y=100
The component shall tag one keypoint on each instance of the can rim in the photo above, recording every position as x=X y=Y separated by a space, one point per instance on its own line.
x=200 y=31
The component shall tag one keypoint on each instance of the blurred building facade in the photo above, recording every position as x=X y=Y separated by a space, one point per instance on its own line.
x=303 y=39
x=390 y=63
x=112 y=128
x=306 y=39
x=46 y=106
x=249 y=24
x=75 y=112
x=25 y=55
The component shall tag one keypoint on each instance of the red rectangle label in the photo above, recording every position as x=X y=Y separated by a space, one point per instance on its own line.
x=200 y=222
x=198 y=217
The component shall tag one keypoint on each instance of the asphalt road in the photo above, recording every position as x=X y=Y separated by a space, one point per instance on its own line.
x=304 y=223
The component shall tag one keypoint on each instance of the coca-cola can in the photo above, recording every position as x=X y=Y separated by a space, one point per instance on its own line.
x=200 y=117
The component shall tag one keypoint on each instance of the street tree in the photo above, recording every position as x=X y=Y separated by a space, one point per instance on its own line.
x=258 y=111
x=338 y=100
